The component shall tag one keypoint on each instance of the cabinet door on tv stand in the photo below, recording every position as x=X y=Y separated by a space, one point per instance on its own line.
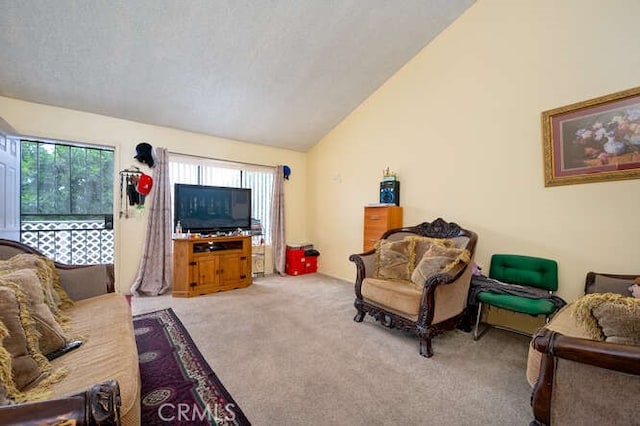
x=230 y=271
x=206 y=271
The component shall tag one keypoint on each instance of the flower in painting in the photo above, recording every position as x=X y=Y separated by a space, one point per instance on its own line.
x=614 y=147
x=600 y=134
x=607 y=137
x=633 y=114
x=603 y=158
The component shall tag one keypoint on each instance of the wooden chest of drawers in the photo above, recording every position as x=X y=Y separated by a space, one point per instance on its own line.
x=378 y=220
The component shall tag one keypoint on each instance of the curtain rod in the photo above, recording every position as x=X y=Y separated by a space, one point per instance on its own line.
x=222 y=159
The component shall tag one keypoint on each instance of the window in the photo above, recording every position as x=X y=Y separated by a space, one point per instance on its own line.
x=66 y=199
x=202 y=171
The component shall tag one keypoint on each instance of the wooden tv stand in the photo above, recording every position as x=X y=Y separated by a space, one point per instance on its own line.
x=207 y=265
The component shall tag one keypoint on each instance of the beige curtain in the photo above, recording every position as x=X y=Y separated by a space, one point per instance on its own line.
x=155 y=270
x=277 y=222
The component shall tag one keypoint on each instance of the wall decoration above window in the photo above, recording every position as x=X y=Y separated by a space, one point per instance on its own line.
x=593 y=141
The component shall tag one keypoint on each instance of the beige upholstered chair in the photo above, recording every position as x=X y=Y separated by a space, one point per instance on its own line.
x=428 y=299
x=578 y=379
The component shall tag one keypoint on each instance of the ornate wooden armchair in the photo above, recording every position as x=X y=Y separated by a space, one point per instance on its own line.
x=428 y=306
x=578 y=380
x=570 y=367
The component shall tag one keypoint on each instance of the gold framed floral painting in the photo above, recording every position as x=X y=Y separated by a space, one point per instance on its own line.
x=593 y=141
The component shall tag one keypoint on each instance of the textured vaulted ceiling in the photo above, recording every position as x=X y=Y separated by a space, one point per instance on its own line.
x=281 y=73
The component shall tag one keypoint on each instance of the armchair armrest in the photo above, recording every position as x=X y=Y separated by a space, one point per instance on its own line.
x=449 y=291
x=568 y=369
x=365 y=267
x=98 y=405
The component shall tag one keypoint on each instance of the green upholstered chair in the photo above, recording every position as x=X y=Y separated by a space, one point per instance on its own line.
x=527 y=271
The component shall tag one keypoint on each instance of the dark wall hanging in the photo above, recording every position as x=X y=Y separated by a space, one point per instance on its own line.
x=144 y=154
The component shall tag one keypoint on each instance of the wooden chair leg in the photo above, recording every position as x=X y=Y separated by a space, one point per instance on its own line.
x=360 y=313
x=426 y=350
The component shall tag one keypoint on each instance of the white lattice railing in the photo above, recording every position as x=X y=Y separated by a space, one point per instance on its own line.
x=78 y=242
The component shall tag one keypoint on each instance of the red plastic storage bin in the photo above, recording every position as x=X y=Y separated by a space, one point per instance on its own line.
x=311 y=264
x=295 y=261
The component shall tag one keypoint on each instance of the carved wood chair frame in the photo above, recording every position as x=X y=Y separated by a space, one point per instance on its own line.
x=424 y=327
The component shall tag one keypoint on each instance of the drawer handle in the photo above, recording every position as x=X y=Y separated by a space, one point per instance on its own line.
x=374 y=217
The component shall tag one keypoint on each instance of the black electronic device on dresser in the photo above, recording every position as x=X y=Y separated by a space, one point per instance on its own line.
x=390 y=192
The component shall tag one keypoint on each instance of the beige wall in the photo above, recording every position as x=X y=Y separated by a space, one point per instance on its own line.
x=67 y=125
x=460 y=123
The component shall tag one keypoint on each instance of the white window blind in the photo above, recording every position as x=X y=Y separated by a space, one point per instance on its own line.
x=204 y=171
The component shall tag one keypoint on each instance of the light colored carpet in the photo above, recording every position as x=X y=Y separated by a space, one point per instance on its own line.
x=289 y=352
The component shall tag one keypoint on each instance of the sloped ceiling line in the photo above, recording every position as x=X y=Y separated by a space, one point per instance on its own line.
x=280 y=73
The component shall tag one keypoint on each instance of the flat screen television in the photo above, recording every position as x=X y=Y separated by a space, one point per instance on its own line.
x=207 y=209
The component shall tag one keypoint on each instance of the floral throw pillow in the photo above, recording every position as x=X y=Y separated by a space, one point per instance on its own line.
x=423 y=244
x=393 y=259
x=438 y=259
x=28 y=365
x=24 y=372
x=610 y=317
x=51 y=336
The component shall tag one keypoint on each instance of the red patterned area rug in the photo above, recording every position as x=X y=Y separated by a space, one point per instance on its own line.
x=178 y=386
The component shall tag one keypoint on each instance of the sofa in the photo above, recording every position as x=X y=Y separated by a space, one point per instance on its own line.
x=95 y=383
x=417 y=279
x=584 y=365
